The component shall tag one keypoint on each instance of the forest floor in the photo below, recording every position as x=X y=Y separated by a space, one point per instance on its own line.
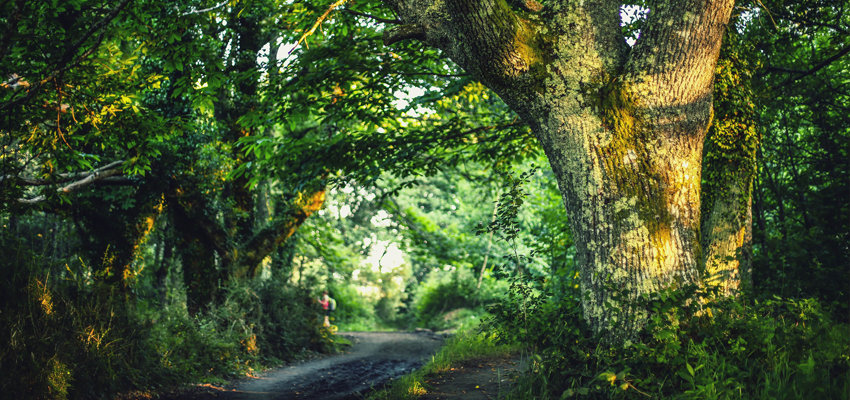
x=372 y=361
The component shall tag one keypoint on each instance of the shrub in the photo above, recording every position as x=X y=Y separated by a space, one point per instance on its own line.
x=77 y=338
x=728 y=349
x=68 y=339
x=443 y=291
x=351 y=308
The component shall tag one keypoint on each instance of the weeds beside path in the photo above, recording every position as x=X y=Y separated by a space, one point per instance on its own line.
x=466 y=361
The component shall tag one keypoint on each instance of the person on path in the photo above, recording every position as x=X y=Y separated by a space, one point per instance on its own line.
x=326 y=303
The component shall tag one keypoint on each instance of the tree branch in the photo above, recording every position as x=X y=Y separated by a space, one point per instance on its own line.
x=484 y=37
x=319 y=22
x=432 y=74
x=267 y=239
x=675 y=57
x=205 y=10
x=379 y=19
x=60 y=178
x=88 y=179
x=404 y=32
x=814 y=69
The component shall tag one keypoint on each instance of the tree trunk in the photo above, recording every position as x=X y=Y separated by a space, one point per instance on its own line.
x=729 y=168
x=489 y=243
x=623 y=128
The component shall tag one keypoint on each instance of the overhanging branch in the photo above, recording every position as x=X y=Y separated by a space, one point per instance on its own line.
x=60 y=178
x=379 y=19
x=88 y=179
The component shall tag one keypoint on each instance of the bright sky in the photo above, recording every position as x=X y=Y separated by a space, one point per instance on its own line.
x=393 y=259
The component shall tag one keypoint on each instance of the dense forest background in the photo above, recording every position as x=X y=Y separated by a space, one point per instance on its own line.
x=179 y=180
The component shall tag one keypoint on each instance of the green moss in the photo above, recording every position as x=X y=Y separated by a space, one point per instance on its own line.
x=626 y=159
x=532 y=46
x=732 y=140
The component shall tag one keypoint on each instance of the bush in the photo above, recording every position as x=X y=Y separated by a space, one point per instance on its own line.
x=770 y=349
x=443 y=291
x=77 y=338
x=352 y=310
x=68 y=339
x=259 y=322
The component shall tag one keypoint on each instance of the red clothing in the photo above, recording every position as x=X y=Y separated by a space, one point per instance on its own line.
x=324 y=303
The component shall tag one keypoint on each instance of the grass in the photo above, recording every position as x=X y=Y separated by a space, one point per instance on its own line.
x=466 y=345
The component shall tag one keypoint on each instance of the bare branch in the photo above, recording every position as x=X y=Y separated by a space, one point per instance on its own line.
x=318 y=22
x=117 y=181
x=60 y=178
x=205 y=10
x=90 y=178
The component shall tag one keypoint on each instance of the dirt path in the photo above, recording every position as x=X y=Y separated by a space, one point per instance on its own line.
x=374 y=359
x=477 y=379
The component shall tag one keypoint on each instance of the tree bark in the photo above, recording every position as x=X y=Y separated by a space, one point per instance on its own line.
x=623 y=128
x=729 y=168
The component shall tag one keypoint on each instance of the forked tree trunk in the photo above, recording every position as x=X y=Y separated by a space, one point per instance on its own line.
x=623 y=128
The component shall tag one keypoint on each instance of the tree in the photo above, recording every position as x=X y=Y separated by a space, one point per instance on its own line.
x=151 y=97
x=623 y=128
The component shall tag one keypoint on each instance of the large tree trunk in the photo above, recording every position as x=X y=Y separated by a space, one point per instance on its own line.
x=623 y=128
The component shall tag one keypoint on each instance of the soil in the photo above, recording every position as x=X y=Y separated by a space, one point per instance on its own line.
x=374 y=359
x=479 y=379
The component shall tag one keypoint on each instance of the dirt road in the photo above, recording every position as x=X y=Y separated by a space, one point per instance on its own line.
x=372 y=361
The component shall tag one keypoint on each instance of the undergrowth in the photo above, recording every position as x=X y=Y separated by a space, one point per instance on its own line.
x=690 y=349
x=69 y=336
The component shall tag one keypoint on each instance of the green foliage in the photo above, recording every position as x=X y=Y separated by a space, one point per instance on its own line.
x=512 y=198
x=258 y=323
x=71 y=336
x=447 y=290
x=352 y=309
x=691 y=348
x=695 y=344
x=800 y=202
